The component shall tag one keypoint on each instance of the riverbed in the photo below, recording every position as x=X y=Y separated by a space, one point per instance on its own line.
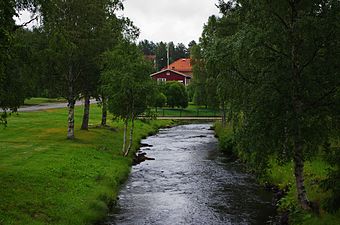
x=190 y=182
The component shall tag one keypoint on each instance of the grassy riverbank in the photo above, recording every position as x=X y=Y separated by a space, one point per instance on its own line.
x=46 y=179
x=283 y=176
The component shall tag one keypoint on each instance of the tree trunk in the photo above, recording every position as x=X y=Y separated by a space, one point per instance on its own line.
x=71 y=103
x=70 y=130
x=297 y=104
x=86 y=116
x=125 y=134
x=104 y=111
x=299 y=176
x=131 y=136
x=224 y=116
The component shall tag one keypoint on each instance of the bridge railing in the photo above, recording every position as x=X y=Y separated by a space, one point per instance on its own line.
x=190 y=112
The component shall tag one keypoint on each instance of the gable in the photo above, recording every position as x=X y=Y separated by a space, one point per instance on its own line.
x=169 y=72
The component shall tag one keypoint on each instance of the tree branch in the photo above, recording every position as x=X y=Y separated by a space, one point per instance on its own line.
x=275 y=50
x=315 y=53
x=242 y=77
x=317 y=102
x=277 y=16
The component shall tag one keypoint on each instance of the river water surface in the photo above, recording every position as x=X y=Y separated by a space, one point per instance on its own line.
x=190 y=182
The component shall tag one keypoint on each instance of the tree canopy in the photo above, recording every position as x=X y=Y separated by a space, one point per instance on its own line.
x=127 y=84
x=275 y=67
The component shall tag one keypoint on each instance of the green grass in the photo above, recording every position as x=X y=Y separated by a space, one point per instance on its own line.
x=315 y=172
x=46 y=179
x=39 y=101
x=283 y=175
x=190 y=111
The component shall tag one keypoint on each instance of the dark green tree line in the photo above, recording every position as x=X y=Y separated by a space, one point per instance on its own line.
x=275 y=69
x=160 y=51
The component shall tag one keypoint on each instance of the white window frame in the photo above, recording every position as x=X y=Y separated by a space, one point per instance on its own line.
x=161 y=80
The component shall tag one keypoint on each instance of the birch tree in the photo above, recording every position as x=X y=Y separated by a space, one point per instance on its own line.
x=127 y=84
x=72 y=28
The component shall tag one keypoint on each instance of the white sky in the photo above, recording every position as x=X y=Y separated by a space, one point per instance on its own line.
x=180 y=21
x=170 y=20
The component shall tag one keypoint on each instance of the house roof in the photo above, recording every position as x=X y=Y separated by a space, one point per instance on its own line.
x=181 y=65
x=174 y=71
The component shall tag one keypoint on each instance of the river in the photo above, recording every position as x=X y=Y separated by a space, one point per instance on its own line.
x=190 y=182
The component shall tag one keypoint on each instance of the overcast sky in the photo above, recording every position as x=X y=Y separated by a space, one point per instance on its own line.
x=180 y=21
x=170 y=20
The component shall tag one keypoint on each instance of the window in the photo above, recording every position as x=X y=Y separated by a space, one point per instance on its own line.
x=161 y=80
x=168 y=73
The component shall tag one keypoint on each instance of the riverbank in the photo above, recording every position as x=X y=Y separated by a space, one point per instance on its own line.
x=46 y=179
x=282 y=176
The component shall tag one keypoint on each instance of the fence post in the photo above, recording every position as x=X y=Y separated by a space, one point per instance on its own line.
x=197 y=112
x=163 y=112
x=180 y=113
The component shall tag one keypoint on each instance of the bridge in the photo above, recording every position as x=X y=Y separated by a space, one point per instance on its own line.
x=200 y=118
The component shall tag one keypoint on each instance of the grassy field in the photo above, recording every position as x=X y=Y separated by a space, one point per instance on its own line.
x=39 y=101
x=46 y=179
x=283 y=175
x=190 y=111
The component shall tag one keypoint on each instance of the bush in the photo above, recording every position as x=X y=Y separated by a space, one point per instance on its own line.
x=160 y=100
x=226 y=140
x=176 y=95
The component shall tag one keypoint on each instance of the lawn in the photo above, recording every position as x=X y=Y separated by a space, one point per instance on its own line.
x=46 y=179
x=39 y=101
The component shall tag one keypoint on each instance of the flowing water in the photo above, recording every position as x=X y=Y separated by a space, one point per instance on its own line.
x=190 y=182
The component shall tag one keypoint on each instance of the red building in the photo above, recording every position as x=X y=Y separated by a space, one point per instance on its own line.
x=180 y=70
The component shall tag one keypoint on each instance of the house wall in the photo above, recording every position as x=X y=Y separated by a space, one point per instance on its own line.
x=172 y=77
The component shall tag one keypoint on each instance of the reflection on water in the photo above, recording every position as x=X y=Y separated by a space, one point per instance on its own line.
x=190 y=183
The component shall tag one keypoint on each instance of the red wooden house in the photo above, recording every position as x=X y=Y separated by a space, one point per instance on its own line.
x=180 y=70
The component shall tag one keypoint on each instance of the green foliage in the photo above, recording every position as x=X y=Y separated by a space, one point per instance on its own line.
x=200 y=77
x=11 y=86
x=147 y=47
x=126 y=80
x=75 y=41
x=176 y=95
x=332 y=182
x=274 y=67
x=161 y=55
x=226 y=141
x=160 y=100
